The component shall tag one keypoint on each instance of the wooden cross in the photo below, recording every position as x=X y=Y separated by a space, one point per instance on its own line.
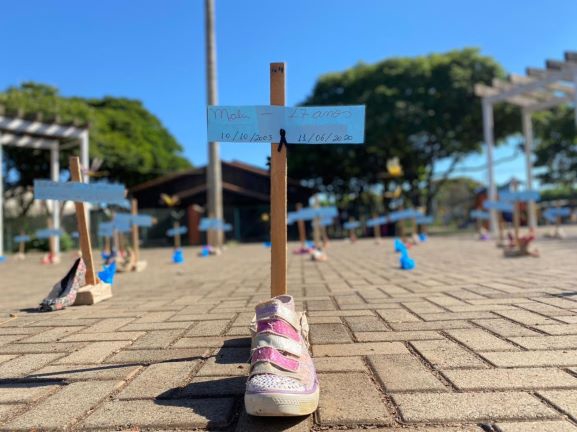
x=275 y=123
x=79 y=192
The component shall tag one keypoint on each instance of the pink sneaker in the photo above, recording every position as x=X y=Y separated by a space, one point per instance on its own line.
x=283 y=380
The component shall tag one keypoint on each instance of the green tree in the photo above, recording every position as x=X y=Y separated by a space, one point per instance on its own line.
x=421 y=110
x=556 y=148
x=132 y=143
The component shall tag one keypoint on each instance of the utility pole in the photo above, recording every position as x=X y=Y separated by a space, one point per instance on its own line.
x=213 y=170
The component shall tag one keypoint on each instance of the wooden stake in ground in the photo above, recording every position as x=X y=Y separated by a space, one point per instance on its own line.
x=302 y=228
x=278 y=191
x=516 y=215
x=176 y=227
x=83 y=229
x=134 y=232
x=377 y=230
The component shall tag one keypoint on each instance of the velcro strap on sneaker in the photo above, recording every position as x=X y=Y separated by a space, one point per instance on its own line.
x=267 y=368
x=267 y=311
x=271 y=355
x=279 y=327
x=277 y=342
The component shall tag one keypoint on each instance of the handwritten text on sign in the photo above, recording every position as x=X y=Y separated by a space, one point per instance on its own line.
x=303 y=125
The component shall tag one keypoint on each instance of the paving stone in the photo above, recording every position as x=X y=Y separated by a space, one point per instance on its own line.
x=158 y=355
x=48 y=347
x=446 y=354
x=565 y=400
x=506 y=328
x=154 y=317
x=363 y=401
x=431 y=325
x=100 y=337
x=208 y=328
x=340 y=364
x=359 y=349
x=108 y=325
x=480 y=340
x=158 y=380
x=227 y=362
x=248 y=423
x=547 y=342
x=558 y=329
x=71 y=402
x=471 y=407
x=532 y=358
x=85 y=372
x=542 y=426
x=403 y=372
x=208 y=342
x=398 y=316
x=510 y=379
x=530 y=319
x=156 y=339
x=50 y=335
x=25 y=392
x=159 y=414
x=324 y=320
x=23 y=365
x=322 y=334
x=207 y=386
x=390 y=336
x=200 y=317
x=7 y=411
x=95 y=352
x=155 y=326
x=366 y=324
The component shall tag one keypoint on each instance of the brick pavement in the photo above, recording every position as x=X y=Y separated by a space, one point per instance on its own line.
x=469 y=341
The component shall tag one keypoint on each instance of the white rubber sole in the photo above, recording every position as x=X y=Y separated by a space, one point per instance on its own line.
x=280 y=404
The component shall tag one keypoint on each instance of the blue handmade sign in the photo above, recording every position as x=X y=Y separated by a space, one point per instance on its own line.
x=424 y=220
x=22 y=238
x=480 y=215
x=48 y=232
x=377 y=221
x=106 y=229
x=557 y=212
x=210 y=224
x=75 y=234
x=124 y=219
x=519 y=196
x=172 y=232
x=303 y=125
x=326 y=222
x=351 y=225
x=498 y=205
x=79 y=192
x=404 y=214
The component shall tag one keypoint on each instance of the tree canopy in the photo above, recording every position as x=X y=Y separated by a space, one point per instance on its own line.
x=556 y=148
x=132 y=143
x=419 y=109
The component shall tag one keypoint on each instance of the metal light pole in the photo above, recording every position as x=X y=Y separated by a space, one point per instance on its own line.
x=213 y=171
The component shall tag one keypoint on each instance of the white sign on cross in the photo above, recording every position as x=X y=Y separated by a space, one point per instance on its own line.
x=280 y=125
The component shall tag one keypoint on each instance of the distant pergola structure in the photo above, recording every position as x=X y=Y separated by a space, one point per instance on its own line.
x=539 y=90
x=34 y=134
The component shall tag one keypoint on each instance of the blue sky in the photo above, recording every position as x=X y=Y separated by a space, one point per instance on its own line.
x=154 y=50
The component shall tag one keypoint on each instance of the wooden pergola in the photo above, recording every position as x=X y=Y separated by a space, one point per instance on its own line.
x=34 y=134
x=538 y=90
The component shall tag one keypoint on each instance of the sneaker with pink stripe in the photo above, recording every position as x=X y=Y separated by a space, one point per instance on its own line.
x=283 y=380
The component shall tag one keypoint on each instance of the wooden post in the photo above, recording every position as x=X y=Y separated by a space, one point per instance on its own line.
x=278 y=191
x=51 y=240
x=516 y=216
x=302 y=228
x=85 y=244
x=176 y=226
x=377 y=231
x=22 y=245
x=317 y=225
x=415 y=227
x=107 y=244
x=134 y=232
x=501 y=224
